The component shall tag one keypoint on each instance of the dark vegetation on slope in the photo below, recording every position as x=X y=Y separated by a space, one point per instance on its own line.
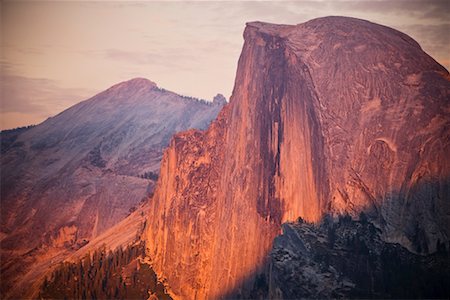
x=121 y=274
x=9 y=136
x=345 y=258
x=149 y=175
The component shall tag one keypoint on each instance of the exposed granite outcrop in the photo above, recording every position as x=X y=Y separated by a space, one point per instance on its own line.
x=335 y=115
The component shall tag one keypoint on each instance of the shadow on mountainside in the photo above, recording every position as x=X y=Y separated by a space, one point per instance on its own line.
x=345 y=257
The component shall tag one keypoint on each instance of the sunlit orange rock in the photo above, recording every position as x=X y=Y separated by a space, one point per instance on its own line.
x=335 y=115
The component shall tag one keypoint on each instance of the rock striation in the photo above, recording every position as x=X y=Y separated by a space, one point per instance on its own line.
x=66 y=181
x=336 y=115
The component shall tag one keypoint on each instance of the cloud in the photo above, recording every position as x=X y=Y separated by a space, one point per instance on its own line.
x=132 y=57
x=34 y=98
x=437 y=36
x=435 y=9
x=168 y=58
x=438 y=10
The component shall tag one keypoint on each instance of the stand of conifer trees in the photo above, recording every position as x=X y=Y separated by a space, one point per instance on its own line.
x=105 y=275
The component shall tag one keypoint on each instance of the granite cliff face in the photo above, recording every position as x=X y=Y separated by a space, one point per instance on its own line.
x=335 y=115
x=66 y=181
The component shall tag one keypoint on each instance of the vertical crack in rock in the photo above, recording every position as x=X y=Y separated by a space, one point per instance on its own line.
x=271 y=128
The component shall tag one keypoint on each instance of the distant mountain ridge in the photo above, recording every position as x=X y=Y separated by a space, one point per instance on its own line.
x=70 y=178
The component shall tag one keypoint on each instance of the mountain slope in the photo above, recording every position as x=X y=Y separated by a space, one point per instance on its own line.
x=335 y=115
x=77 y=174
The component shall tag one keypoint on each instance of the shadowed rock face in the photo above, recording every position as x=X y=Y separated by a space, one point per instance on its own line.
x=67 y=180
x=330 y=116
x=345 y=258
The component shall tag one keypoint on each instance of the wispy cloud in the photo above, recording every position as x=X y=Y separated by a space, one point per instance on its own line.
x=168 y=58
x=434 y=9
x=37 y=98
x=437 y=37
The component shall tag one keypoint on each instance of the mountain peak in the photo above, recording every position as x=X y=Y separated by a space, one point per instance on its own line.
x=140 y=80
x=331 y=28
x=134 y=84
x=219 y=99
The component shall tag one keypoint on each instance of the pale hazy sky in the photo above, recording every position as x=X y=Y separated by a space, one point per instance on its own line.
x=56 y=54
